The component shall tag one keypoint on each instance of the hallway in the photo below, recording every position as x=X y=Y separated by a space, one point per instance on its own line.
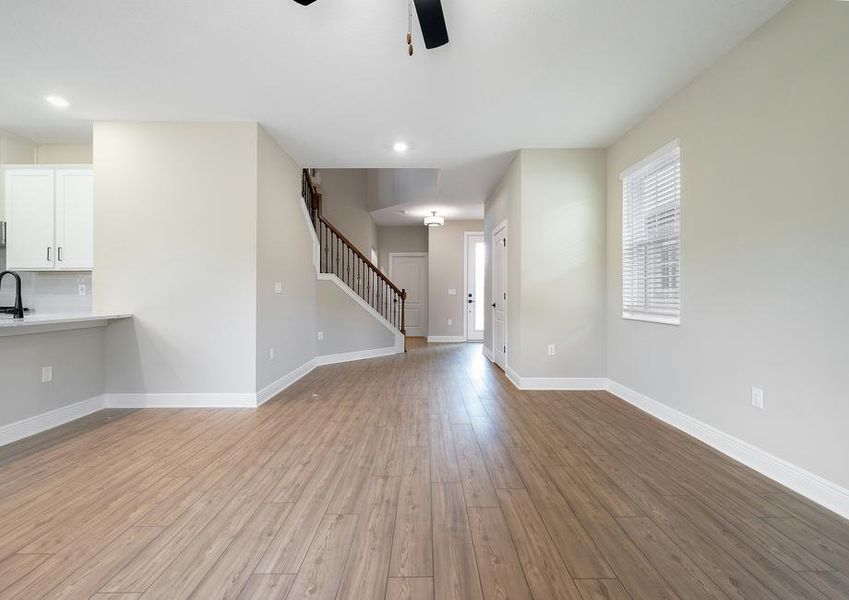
x=425 y=475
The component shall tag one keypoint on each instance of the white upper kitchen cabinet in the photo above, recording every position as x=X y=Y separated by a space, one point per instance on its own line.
x=74 y=219
x=49 y=214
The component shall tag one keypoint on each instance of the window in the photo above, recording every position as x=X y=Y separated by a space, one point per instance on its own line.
x=651 y=238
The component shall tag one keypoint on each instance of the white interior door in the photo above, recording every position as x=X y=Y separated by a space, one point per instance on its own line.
x=74 y=219
x=409 y=272
x=29 y=212
x=475 y=277
x=499 y=296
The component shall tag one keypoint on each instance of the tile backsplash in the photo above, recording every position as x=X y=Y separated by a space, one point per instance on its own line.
x=49 y=292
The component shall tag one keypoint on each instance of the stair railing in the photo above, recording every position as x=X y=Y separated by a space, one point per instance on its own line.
x=341 y=257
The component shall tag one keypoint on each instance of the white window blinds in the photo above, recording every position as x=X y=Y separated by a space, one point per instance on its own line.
x=651 y=238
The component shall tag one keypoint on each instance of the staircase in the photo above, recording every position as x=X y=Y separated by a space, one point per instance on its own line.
x=339 y=256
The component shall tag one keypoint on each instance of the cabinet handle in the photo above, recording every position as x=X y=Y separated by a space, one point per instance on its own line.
x=48 y=253
x=59 y=253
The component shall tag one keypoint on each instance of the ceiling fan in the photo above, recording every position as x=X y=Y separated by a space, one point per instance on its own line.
x=431 y=20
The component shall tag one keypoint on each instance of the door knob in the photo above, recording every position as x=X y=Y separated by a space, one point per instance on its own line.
x=493 y=305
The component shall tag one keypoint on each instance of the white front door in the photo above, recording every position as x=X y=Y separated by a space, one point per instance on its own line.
x=408 y=270
x=475 y=276
x=499 y=296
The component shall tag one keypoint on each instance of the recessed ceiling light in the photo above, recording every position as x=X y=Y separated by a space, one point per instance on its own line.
x=57 y=101
x=400 y=147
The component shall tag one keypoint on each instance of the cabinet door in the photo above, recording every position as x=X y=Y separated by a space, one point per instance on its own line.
x=30 y=219
x=74 y=218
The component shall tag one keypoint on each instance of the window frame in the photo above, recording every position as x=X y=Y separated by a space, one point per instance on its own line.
x=633 y=169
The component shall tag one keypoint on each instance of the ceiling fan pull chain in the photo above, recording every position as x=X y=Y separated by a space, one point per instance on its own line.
x=410 y=27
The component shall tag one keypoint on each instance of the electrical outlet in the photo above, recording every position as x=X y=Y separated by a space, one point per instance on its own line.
x=757 y=397
x=278 y=287
x=450 y=322
x=320 y=335
x=46 y=374
x=82 y=289
x=271 y=353
x=551 y=350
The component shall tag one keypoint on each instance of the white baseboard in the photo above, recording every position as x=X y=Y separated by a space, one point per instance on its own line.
x=810 y=485
x=275 y=387
x=332 y=359
x=556 y=383
x=445 y=339
x=32 y=425
x=487 y=353
x=180 y=400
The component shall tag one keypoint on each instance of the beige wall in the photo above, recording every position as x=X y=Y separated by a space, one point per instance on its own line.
x=287 y=321
x=765 y=244
x=64 y=154
x=175 y=243
x=445 y=261
x=344 y=202
x=408 y=238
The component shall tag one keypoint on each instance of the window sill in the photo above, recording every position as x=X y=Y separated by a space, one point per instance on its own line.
x=652 y=318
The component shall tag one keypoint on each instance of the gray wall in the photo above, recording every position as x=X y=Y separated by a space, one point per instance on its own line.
x=344 y=202
x=407 y=238
x=346 y=326
x=562 y=264
x=445 y=262
x=175 y=244
x=287 y=321
x=78 y=372
x=554 y=204
x=765 y=244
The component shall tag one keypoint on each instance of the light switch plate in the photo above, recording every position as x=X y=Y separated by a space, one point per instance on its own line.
x=278 y=287
x=82 y=289
x=757 y=397
x=551 y=349
x=320 y=335
x=452 y=292
x=271 y=353
x=46 y=374
x=450 y=322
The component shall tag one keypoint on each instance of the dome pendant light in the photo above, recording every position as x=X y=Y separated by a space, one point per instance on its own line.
x=433 y=220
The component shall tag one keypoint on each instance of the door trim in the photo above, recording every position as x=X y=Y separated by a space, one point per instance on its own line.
x=466 y=236
x=495 y=232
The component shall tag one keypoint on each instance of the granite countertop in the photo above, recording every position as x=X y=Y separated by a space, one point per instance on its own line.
x=45 y=322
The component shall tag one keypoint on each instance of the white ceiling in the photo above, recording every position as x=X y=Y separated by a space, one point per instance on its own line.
x=332 y=81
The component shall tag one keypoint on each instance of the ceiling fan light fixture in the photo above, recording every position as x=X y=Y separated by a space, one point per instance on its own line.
x=433 y=220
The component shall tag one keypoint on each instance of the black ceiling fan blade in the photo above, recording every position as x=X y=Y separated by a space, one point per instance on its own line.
x=304 y=2
x=432 y=22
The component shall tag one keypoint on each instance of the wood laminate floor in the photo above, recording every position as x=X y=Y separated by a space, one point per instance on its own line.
x=411 y=477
